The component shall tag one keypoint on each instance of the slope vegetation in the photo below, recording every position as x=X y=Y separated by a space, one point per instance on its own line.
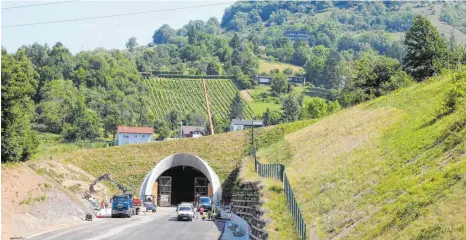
x=392 y=168
x=187 y=95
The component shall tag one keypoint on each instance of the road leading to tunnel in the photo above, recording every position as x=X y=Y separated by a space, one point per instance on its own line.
x=160 y=225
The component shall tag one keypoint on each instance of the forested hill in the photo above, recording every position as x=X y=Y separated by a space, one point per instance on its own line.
x=353 y=49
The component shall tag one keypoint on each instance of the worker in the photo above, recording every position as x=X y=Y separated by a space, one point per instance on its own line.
x=201 y=210
x=102 y=204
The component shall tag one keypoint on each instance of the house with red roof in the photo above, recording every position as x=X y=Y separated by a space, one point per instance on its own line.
x=130 y=135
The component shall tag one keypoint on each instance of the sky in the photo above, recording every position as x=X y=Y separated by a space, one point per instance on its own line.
x=109 y=33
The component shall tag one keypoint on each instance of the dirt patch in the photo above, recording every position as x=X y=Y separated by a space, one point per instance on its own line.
x=42 y=195
x=32 y=203
x=246 y=96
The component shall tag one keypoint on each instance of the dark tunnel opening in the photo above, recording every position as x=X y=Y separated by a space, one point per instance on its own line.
x=182 y=184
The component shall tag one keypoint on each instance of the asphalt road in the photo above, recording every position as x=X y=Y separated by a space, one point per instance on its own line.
x=160 y=225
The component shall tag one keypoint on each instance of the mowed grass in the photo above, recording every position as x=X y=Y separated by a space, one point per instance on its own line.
x=265 y=66
x=129 y=164
x=260 y=107
x=385 y=169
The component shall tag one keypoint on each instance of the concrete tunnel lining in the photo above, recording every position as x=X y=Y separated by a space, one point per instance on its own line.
x=183 y=159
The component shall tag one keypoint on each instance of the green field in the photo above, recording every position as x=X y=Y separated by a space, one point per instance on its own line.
x=187 y=95
x=265 y=66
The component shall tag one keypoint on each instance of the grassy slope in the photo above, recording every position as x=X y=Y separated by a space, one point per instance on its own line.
x=380 y=169
x=265 y=66
x=129 y=164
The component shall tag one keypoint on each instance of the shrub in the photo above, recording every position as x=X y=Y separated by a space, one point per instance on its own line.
x=398 y=80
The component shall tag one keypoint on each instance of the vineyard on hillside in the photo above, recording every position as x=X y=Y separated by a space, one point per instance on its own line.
x=187 y=95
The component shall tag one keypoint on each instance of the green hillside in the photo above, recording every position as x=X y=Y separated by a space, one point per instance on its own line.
x=187 y=95
x=129 y=164
x=391 y=168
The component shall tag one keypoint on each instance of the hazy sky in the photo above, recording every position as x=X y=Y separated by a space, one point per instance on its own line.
x=90 y=34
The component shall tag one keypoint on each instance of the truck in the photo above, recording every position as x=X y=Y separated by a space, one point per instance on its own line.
x=137 y=203
x=206 y=202
x=123 y=205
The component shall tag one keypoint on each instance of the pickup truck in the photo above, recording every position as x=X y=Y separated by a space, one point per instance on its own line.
x=123 y=205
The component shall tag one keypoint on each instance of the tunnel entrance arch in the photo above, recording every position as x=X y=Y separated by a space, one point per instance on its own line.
x=173 y=163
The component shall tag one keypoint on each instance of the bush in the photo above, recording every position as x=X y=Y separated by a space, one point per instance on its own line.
x=399 y=80
x=318 y=107
x=456 y=95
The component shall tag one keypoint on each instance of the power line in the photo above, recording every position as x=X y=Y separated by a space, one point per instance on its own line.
x=40 y=4
x=116 y=15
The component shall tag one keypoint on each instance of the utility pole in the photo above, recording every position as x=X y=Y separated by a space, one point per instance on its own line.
x=181 y=129
x=253 y=147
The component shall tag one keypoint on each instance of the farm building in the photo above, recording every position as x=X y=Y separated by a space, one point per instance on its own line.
x=241 y=124
x=296 y=79
x=192 y=131
x=268 y=79
x=130 y=135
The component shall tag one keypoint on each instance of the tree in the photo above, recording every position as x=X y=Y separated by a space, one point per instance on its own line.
x=192 y=34
x=18 y=86
x=424 y=46
x=270 y=117
x=236 y=107
x=266 y=117
x=131 y=44
x=331 y=70
x=373 y=71
x=213 y=68
x=173 y=117
x=235 y=42
x=316 y=108
x=163 y=34
x=279 y=83
x=290 y=109
x=195 y=119
x=62 y=104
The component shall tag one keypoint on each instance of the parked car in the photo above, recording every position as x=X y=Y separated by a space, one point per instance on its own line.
x=185 y=211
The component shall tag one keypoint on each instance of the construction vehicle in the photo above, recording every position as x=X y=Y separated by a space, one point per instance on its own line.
x=123 y=205
x=149 y=203
x=137 y=203
x=106 y=176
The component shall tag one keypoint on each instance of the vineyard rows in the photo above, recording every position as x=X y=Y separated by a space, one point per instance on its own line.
x=187 y=95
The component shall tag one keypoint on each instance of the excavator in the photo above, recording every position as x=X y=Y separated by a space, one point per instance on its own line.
x=106 y=176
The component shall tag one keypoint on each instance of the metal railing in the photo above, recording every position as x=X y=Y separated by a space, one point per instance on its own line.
x=277 y=171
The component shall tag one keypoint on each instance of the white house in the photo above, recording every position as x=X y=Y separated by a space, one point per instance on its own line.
x=129 y=135
x=241 y=124
x=192 y=131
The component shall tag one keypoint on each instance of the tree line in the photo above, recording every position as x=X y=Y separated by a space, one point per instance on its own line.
x=86 y=95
